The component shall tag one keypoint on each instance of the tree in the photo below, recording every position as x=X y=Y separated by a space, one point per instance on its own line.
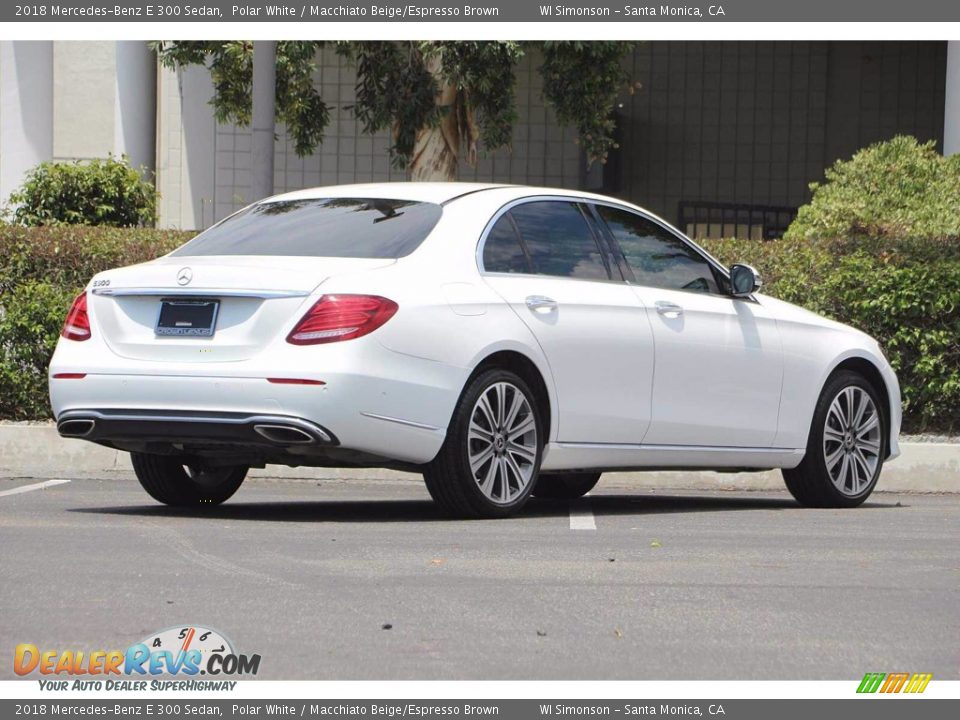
x=440 y=100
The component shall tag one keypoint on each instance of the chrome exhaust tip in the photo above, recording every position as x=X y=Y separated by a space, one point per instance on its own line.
x=78 y=428
x=284 y=435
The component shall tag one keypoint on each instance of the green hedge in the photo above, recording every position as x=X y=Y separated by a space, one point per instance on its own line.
x=905 y=293
x=41 y=271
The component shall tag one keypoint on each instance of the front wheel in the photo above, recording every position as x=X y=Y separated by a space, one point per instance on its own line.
x=489 y=462
x=169 y=480
x=846 y=447
x=565 y=486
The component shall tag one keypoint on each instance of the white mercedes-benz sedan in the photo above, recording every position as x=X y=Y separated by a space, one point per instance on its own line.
x=503 y=341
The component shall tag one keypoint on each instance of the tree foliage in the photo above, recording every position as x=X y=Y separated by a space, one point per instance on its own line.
x=408 y=86
x=299 y=105
x=582 y=80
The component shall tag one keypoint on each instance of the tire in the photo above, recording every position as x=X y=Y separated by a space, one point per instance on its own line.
x=168 y=480
x=502 y=447
x=565 y=486
x=841 y=467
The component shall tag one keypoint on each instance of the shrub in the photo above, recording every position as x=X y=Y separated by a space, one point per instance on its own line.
x=906 y=294
x=30 y=322
x=41 y=271
x=70 y=255
x=98 y=192
x=891 y=190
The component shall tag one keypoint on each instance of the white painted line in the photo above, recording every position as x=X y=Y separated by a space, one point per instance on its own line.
x=35 y=486
x=581 y=515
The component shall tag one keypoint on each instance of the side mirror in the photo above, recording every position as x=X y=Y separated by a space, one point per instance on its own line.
x=744 y=280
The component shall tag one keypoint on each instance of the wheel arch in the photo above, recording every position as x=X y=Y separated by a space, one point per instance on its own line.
x=526 y=368
x=869 y=370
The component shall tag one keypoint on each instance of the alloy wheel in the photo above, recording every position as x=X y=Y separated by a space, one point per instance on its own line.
x=852 y=440
x=502 y=442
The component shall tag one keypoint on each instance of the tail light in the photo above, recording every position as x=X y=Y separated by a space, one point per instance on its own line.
x=342 y=317
x=77 y=325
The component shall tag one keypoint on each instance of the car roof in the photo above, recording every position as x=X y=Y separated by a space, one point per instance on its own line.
x=435 y=192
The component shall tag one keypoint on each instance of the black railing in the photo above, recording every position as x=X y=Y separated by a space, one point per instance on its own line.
x=717 y=220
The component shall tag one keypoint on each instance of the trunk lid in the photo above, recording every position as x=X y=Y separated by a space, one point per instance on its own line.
x=258 y=298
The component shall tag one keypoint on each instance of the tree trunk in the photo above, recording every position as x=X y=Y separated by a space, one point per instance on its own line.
x=263 y=120
x=436 y=149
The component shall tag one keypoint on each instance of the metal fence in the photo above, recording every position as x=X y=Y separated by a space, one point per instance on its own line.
x=720 y=220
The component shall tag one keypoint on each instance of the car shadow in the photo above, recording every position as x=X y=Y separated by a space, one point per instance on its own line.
x=427 y=511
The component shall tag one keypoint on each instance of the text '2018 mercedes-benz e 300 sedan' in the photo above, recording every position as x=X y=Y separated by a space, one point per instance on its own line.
x=503 y=341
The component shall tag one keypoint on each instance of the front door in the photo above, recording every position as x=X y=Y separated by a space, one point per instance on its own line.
x=718 y=360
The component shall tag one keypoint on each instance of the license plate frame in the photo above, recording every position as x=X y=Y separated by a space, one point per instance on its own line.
x=187 y=317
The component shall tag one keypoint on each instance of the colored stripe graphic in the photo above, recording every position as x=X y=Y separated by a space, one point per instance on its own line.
x=894 y=682
x=870 y=682
x=918 y=682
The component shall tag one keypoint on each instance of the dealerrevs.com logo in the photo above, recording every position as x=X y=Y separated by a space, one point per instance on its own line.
x=180 y=651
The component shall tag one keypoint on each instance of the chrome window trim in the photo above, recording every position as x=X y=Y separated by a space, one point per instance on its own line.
x=708 y=258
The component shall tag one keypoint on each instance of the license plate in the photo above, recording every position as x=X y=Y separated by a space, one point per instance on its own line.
x=187 y=318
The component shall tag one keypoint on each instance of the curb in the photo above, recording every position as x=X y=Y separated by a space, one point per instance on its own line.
x=38 y=451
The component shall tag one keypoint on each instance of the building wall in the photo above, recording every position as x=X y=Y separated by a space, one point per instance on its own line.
x=951 y=113
x=755 y=122
x=74 y=101
x=26 y=110
x=204 y=170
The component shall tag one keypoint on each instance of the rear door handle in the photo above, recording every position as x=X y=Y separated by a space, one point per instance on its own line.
x=668 y=309
x=541 y=303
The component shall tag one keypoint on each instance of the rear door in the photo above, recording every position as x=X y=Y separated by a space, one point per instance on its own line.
x=719 y=363
x=546 y=258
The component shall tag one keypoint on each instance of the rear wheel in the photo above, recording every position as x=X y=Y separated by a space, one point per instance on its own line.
x=565 y=486
x=489 y=462
x=846 y=448
x=168 y=480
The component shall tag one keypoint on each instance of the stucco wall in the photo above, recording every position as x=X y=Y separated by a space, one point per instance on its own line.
x=26 y=110
x=74 y=101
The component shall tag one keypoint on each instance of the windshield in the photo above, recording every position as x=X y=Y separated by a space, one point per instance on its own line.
x=320 y=227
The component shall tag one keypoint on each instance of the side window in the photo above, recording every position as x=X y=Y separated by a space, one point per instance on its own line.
x=657 y=257
x=559 y=240
x=502 y=251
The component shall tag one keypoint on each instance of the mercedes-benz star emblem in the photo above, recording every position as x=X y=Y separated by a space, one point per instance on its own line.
x=184 y=276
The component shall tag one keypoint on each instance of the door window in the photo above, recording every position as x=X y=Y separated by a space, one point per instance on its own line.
x=502 y=251
x=559 y=240
x=657 y=257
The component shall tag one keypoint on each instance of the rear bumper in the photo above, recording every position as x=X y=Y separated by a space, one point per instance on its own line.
x=384 y=418
x=119 y=427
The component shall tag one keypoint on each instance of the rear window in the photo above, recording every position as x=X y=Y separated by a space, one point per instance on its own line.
x=324 y=227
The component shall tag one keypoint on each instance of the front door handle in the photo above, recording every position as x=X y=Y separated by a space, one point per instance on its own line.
x=668 y=309
x=541 y=303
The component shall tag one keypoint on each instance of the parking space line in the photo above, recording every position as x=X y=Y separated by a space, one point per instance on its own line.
x=581 y=515
x=35 y=486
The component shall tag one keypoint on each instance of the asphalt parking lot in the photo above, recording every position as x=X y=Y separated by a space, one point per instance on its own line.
x=364 y=580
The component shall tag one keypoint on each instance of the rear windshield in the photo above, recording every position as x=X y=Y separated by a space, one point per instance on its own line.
x=324 y=227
